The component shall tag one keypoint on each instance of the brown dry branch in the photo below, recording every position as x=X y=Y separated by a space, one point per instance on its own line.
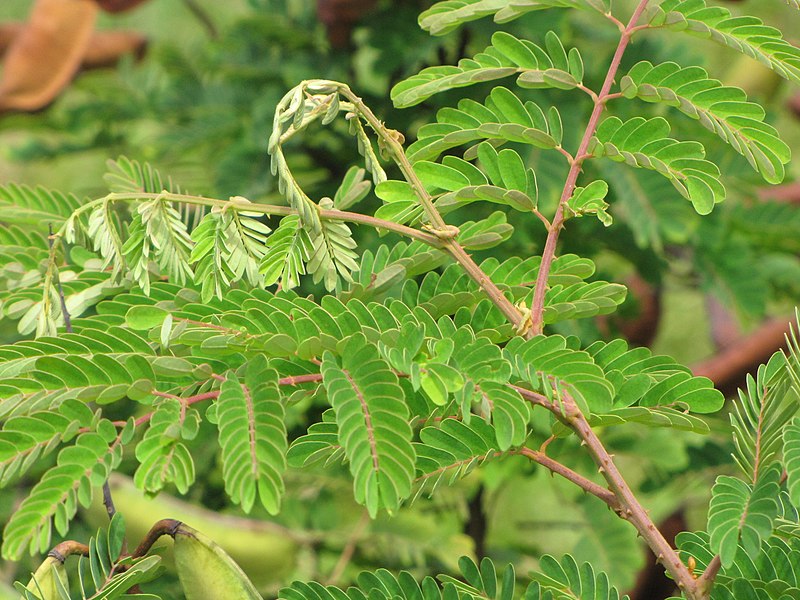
x=794 y=104
x=728 y=368
x=789 y=192
x=725 y=329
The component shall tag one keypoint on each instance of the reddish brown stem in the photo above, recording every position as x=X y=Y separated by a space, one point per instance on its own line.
x=549 y=252
x=631 y=510
x=585 y=484
x=162 y=527
x=728 y=368
x=212 y=395
x=706 y=580
x=625 y=503
x=67 y=548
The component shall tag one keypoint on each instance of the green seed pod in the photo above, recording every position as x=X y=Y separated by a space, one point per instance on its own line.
x=50 y=579
x=206 y=571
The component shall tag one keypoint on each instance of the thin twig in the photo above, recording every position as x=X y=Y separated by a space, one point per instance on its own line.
x=585 y=484
x=108 y=500
x=537 y=304
x=162 y=527
x=62 y=300
x=201 y=15
x=67 y=548
x=447 y=234
x=267 y=209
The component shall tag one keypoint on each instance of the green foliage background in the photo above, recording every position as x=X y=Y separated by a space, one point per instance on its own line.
x=201 y=110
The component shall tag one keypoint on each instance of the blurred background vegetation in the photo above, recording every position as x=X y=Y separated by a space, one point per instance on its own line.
x=197 y=103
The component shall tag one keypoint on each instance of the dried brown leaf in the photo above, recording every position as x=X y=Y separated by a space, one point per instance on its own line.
x=45 y=55
x=107 y=47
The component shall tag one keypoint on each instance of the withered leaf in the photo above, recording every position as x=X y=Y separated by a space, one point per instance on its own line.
x=45 y=55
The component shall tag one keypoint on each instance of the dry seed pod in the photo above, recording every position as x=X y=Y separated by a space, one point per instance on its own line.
x=206 y=571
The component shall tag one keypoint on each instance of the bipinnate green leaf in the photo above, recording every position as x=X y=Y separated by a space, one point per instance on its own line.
x=252 y=436
x=440 y=177
x=582 y=300
x=481 y=581
x=372 y=418
x=104 y=230
x=378 y=585
x=740 y=513
x=45 y=316
x=486 y=233
x=721 y=109
x=305 y=103
x=25 y=439
x=504 y=180
x=401 y=203
x=288 y=249
x=157 y=233
x=791 y=458
x=321 y=442
x=452 y=290
x=774 y=569
x=502 y=118
x=444 y=17
x=228 y=247
x=353 y=189
x=144 y=317
x=653 y=381
x=590 y=200
x=658 y=384
x=451 y=450
x=660 y=416
x=332 y=257
x=748 y=35
x=758 y=418
x=163 y=457
x=54 y=500
x=506 y=56
x=546 y=363
x=566 y=579
x=124 y=175
x=388 y=267
x=100 y=378
x=438 y=380
x=644 y=143
x=508 y=411
x=35 y=207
